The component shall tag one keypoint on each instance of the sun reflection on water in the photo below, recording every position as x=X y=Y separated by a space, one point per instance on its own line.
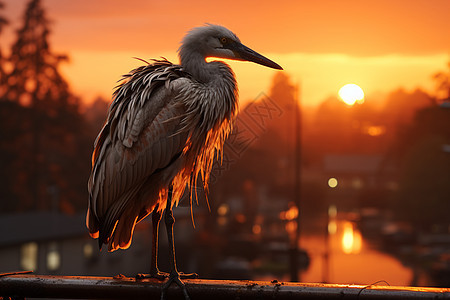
x=347 y=258
x=351 y=241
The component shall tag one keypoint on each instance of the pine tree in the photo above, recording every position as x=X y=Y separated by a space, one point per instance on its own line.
x=3 y=22
x=48 y=142
x=35 y=80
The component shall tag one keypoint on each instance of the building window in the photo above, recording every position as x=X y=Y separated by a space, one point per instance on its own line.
x=53 y=257
x=29 y=256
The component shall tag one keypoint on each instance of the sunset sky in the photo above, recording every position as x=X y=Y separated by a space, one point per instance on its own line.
x=322 y=45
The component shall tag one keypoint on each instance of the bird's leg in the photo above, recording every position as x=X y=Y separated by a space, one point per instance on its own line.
x=174 y=276
x=154 y=271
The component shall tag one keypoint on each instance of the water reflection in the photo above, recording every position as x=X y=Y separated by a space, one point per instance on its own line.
x=345 y=257
x=351 y=240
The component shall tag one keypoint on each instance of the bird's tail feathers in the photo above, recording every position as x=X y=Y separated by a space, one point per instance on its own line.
x=123 y=232
x=92 y=223
x=112 y=216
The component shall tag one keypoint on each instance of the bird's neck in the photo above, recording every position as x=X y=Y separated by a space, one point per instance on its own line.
x=195 y=64
x=218 y=84
x=217 y=96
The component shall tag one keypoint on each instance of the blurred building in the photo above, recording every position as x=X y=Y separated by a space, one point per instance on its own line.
x=58 y=244
x=350 y=176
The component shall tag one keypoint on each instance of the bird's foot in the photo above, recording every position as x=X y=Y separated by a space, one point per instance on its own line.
x=188 y=275
x=163 y=275
x=157 y=275
x=176 y=277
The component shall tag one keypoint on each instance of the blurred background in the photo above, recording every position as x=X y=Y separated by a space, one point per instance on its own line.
x=338 y=169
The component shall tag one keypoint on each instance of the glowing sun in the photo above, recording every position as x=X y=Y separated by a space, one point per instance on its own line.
x=351 y=93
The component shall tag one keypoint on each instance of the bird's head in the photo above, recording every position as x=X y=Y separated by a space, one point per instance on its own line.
x=218 y=41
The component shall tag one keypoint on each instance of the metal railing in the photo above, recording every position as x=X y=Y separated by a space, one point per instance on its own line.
x=19 y=286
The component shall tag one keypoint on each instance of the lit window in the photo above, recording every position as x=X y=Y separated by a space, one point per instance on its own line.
x=53 y=257
x=29 y=256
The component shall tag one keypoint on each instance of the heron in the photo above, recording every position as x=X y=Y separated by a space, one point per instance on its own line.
x=165 y=126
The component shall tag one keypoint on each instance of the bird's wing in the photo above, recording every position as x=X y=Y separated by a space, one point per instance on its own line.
x=141 y=136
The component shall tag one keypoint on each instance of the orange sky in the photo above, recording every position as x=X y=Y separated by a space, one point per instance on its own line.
x=379 y=45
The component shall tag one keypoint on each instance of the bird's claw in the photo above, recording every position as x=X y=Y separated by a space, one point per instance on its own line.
x=175 y=277
x=163 y=275
x=157 y=275
x=188 y=275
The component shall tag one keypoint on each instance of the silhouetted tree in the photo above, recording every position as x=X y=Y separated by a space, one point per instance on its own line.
x=50 y=142
x=283 y=93
x=13 y=156
x=35 y=80
x=399 y=114
x=96 y=113
x=3 y=22
x=442 y=80
x=401 y=106
x=424 y=188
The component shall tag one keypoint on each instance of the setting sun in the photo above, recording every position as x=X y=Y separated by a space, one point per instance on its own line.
x=351 y=93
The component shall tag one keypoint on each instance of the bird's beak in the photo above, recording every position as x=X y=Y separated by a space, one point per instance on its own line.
x=243 y=52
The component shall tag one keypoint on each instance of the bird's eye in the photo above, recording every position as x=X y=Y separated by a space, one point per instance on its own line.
x=223 y=40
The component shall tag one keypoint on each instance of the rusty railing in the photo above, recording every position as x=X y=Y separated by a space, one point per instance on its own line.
x=19 y=286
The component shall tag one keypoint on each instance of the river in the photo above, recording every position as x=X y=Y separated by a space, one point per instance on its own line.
x=346 y=257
